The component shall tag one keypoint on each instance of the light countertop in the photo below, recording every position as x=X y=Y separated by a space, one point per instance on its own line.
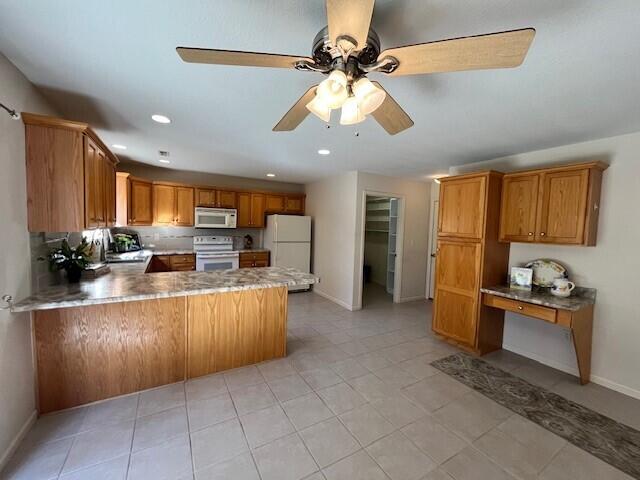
x=580 y=297
x=127 y=282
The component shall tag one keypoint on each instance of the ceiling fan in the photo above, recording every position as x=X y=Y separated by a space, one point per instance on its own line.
x=348 y=49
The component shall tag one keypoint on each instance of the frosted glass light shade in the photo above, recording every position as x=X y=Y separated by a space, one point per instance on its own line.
x=351 y=113
x=333 y=90
x=369 y=96
x=319 y=109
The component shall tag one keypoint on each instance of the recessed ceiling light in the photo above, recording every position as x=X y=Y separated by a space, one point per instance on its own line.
x=119 y=147
x=160 y=118
x=164 y=160
x=324 y=151
x=271 y=174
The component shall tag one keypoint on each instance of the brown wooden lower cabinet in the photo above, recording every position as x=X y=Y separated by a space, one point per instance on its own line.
x=172 y=263
x=254 y=259
x=86 y=354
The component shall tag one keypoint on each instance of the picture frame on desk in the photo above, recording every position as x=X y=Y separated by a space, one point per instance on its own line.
x=521 y=278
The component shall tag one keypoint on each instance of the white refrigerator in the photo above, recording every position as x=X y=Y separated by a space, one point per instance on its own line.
x=288 y=237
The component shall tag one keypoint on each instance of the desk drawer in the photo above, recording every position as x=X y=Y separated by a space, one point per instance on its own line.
x=523 y=308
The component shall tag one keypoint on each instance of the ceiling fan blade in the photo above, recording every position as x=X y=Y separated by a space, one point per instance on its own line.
x=234 y=57
x=391 y=115
x=350 y=18
x=297 y=113
x=494 y=50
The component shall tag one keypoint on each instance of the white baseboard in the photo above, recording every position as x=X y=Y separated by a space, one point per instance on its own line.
x=631 y=392
x=8 y=453
x=335 y=300
x=411 y=299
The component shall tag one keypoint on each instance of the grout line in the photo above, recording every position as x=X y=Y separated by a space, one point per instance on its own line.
x=133 y=434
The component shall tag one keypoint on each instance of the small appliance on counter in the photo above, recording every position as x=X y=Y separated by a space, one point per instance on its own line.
x=248 y=242
x=124 y=240
x=215 y=253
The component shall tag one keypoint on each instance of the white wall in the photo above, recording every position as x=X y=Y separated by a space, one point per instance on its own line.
x=416 y=231
x=331 y=203
x=612 y=266
x=17 y=399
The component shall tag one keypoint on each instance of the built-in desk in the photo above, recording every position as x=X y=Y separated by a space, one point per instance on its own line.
x=574 y=312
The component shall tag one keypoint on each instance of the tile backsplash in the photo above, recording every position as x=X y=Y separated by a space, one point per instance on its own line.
x=154 y=238
x=163 y=238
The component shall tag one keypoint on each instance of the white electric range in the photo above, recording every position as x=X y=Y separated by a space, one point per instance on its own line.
x=215 y=253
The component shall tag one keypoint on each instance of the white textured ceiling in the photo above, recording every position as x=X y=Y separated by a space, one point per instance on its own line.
x=113 y=64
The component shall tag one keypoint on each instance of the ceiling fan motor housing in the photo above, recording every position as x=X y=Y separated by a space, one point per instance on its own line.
x=325 y=54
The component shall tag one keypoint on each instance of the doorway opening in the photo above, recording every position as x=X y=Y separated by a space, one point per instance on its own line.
x=380 y=250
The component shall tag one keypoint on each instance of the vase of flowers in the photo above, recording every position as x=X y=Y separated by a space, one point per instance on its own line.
x=72 y=260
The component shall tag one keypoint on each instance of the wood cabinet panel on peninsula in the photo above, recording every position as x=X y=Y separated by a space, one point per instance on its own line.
x=556 y=205
x=70 y=176
x=93 y=352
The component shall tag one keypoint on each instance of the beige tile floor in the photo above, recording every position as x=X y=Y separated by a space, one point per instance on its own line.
x=355 y=399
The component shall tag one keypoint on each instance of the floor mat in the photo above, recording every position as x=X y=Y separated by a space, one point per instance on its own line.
x=611 y=441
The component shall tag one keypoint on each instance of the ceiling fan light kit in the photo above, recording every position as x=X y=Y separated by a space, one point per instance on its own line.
x=351 y=112
x=348 y=49
x=319 y=108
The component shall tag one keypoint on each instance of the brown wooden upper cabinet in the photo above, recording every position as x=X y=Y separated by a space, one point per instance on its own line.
x=462 y=205
x=292 y=204
x=70 y=176
x=140 y=202
x=556 y=205
x=274 y=203
x=173 y=205
x=251 y=209
x=209 y=197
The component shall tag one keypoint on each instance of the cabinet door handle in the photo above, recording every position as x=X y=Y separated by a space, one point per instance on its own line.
x=542 y=234
x=531 y=234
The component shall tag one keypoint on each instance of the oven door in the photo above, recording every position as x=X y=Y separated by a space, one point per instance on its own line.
x=209 y=262
x=215 y=218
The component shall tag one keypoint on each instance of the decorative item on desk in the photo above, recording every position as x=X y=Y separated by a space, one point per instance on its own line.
x=72 y=260
x=562 y=287
x=521 y=278
x=546 y=271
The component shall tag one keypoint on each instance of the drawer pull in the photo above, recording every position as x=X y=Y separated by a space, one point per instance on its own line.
x=520 y=307
x=531 y=234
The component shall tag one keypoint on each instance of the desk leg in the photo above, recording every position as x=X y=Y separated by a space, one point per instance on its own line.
x=581 y=331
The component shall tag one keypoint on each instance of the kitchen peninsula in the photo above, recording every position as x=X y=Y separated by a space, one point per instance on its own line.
x=130 y=330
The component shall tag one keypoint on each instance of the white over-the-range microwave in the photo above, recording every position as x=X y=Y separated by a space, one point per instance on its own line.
x=215 y=217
